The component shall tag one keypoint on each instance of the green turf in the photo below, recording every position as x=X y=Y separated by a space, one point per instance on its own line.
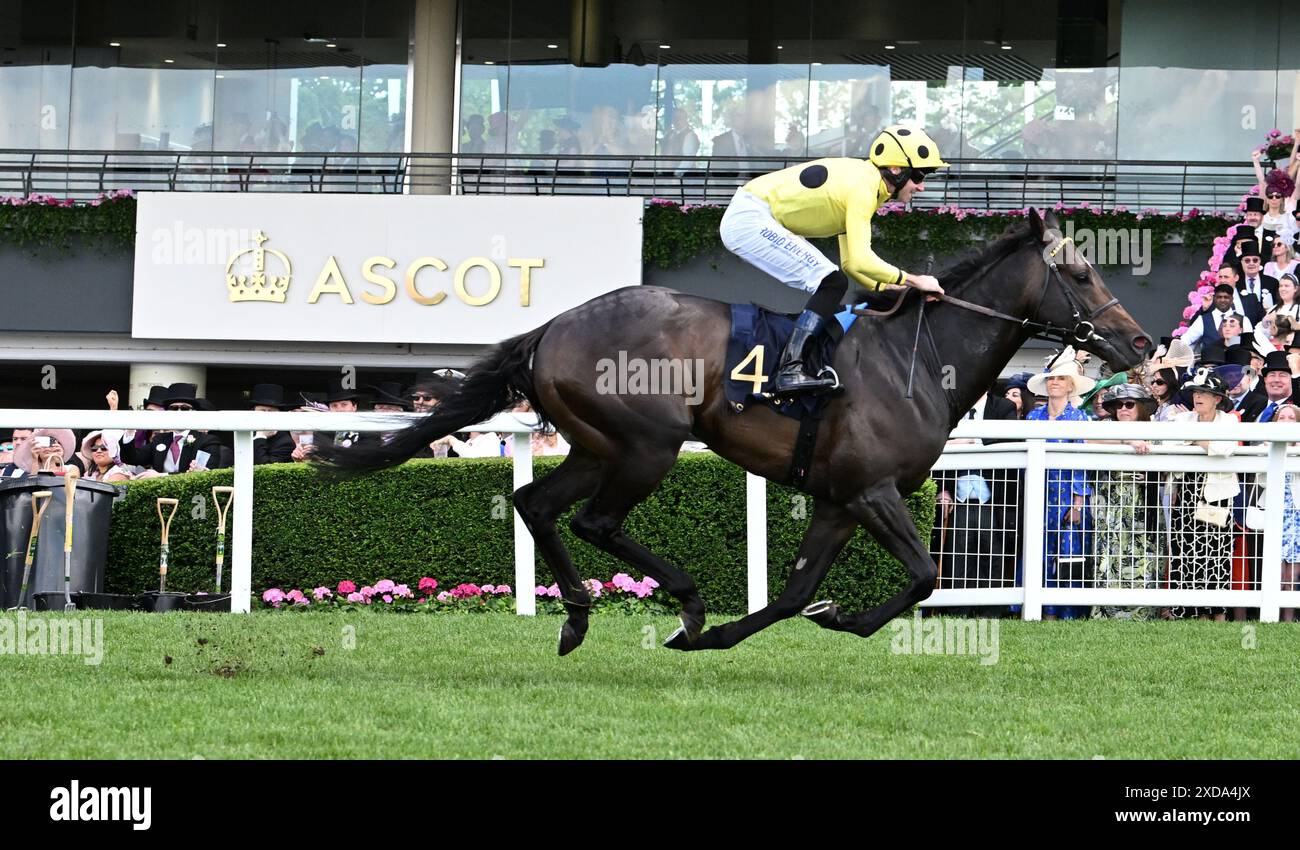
x=483 y=686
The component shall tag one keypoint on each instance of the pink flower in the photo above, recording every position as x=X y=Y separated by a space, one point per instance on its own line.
x=356 y=597
x=488 y=588
x=384 y=586
x=321 y=593
x=402 y=591
x=503 y=590
x=296 y=597
x=367 y=592
x=540 y=590
x=1177 y=332
x=444 y=596
x=553 y=591
x=273 y=596
x=593 y=586
x=388 y=598
x=428 y=585
x=1190 y=312
x=345 y=587
x=649 y=582
x=622 y=581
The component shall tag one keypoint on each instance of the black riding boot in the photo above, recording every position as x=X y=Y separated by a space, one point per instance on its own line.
x=792 y=377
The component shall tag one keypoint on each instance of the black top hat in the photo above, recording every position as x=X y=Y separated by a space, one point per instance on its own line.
x=1250 y=249
x=204 y=404
x=1254 y=204
x=182 y=394
x=1276 y=362
x=1213 y=354
x=271 y=395
x=1239 y=354
x=1266 y=240
x=157 y=395
x=390 y=392
x=337 y=392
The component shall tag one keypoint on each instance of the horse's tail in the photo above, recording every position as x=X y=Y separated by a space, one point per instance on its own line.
x=495 y=382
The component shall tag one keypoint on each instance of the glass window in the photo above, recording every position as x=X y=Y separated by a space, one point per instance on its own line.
x=485 y=75
x=385 y=51
x=1198 y=81
x=289 y=76
x=35 y=73
x=143 y=75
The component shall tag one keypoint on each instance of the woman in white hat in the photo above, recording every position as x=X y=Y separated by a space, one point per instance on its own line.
x=1201 y=502
x=1068 y=520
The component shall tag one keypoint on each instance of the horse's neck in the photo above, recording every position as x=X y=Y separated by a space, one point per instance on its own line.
x=976 y=346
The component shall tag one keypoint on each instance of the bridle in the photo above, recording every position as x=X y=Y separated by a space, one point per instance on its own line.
x=1084 y=329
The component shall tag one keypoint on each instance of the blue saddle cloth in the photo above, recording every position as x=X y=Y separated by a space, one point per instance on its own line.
x=758 y=336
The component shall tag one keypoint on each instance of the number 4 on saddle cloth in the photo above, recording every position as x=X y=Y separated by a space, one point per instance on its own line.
x=757 y=338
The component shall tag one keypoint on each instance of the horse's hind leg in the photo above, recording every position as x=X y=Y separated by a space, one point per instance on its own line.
x=625 y=482
x=830 y=529
x=884 y=514
x=539 y=504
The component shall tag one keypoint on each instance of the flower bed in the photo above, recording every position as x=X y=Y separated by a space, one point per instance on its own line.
x=621 y=594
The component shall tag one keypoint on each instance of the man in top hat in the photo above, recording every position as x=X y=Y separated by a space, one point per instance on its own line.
x=389 y=399
x=270 y=446
x=178 y=451
x=343 y=400
x=1279 y=387
x=1254 y=217
x=1256 y=292
x=1204 y=329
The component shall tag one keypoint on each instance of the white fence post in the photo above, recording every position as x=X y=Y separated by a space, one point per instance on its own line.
x=525 y=567
x=756 y=539
x=1270 y=573
x=1035 y=496
x=241 y=543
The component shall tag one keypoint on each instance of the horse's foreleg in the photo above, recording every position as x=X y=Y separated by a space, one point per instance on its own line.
x=830 y=529
x=600 y=523
x=884 y=514
x=539 y=504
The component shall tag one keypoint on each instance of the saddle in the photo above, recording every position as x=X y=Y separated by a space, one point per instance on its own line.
x=754 y=347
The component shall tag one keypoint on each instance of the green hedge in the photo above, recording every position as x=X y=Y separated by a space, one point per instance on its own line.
x=452 y=519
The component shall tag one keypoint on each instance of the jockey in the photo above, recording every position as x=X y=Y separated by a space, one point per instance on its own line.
x=768 y=219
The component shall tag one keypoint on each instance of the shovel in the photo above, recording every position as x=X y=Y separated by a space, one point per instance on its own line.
x=162 y=550
x=40 y=501
x=70 y=491
x=222 y=512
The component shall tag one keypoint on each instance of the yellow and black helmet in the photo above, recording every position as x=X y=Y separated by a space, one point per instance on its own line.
x=905 y=147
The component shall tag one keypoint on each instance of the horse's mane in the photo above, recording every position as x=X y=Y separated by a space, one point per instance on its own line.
x=1011 y=239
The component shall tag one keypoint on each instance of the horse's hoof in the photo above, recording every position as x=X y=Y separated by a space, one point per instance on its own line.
x=823 y=613
x=570 y=639
x=681 y=639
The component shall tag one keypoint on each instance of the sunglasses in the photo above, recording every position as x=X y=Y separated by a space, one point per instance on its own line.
x=1158 y=382
x=1274 y=194
x=419 y=397
x=1126 y=405
x=100 y=448
x=179 y=407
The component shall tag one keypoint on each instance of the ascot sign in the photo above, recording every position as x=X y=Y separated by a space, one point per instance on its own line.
x=374 y=268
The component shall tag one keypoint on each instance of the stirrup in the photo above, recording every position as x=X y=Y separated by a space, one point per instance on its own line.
x=792 y=392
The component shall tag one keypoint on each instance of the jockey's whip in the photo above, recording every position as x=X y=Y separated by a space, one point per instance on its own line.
x=222 y=512
x=916 y=340
x=70 y=493
x=40 y=501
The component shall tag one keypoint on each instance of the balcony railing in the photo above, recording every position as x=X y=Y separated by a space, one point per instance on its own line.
x=994 y=184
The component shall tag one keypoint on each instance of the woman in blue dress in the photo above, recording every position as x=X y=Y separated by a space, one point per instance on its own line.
x=1068 y=520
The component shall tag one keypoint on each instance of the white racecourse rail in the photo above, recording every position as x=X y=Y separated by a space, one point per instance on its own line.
x=1034 y=455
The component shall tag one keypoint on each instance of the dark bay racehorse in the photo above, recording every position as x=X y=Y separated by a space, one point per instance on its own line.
x=874 y=447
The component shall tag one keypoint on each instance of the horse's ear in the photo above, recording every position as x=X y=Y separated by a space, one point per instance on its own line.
x=1036 y=223
x=1051 y=220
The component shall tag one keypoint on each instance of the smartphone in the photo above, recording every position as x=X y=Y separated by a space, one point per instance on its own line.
x=201 y=458
x=42 y=442
x=306 y=439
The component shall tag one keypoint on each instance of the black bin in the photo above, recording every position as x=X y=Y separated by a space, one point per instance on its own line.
x=90 y=526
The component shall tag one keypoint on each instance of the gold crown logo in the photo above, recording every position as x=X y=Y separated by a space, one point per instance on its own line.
x=257 y=285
